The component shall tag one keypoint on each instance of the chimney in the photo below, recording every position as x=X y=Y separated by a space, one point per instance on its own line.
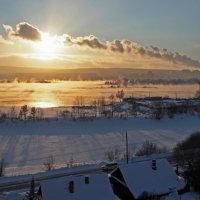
x=86 y=179
x=153 y=165
x=71 y=186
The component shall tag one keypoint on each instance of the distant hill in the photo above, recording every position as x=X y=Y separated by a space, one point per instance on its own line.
x=26 y=73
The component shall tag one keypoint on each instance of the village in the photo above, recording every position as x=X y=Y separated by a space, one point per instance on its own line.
x=152 y=173
x=148 y=177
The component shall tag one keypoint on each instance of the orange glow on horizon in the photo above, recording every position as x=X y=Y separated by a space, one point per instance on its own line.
x=42 y=104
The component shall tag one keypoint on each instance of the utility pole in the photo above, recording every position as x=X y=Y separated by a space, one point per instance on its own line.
x=127 y=157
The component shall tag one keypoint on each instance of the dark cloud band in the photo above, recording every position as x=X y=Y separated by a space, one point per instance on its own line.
x=24 y=30
x=132 y=48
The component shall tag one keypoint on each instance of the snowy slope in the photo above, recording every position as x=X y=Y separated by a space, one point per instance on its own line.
x=27 y=145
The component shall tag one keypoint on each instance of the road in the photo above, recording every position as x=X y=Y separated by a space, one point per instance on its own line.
x=23 y=184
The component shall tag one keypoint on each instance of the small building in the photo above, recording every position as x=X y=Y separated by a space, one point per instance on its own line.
x=143 y=179
x=92 y=187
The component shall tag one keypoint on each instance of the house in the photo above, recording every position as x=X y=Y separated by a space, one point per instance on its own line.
x=145 y=178
x=94 y=186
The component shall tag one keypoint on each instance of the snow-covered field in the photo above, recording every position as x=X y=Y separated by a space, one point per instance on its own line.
x=26 y=145
x=17 y=195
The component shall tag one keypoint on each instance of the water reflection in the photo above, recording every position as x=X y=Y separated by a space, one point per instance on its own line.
x=63 y=93
x=42 y=104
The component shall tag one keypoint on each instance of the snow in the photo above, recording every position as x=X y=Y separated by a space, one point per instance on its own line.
x=185 y=196
x=140 y=177
x=98 y=188
x=14 y=195
x=26 y=145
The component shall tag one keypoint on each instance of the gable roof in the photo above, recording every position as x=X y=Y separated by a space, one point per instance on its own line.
x=99 y=188
x=140 y=178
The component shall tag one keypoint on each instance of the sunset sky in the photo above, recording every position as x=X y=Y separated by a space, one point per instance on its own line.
x=106 y=33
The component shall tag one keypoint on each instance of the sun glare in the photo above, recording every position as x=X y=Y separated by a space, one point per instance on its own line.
x=49 y=46
x=43 y=104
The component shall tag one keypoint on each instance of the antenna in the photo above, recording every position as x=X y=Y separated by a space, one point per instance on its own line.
x=127 y=158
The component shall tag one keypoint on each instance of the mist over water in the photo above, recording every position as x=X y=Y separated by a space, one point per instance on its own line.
x=63 y=93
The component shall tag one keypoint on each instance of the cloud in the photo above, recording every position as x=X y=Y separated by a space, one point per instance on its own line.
x=131 y=48
x=24 y=30
x=90 y=41
x=4 y=41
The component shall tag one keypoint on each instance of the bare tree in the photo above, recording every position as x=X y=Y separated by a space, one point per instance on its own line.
x=158 y=111
x=78 y=103
x=94 y=103
x=112 y=101
x=120 y=94
x=149 y=148
x=2 y=166
x=101 y=102
x=113 y=155
x=3 y=116
x=13 y=113
x=33 y=113
x=23 y=112
x=71 y=162
x=49 y=163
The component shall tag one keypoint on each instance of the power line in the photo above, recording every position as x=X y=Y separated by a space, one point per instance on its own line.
x=82 y=152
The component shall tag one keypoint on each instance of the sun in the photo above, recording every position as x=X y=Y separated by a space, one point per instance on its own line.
x=49 y=46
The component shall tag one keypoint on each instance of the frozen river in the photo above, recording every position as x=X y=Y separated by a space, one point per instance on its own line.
x=63 y=93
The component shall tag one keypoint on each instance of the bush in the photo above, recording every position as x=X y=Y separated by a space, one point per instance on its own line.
x=113 y=155
x=49 y=163
x=187 y=153
x=149 y=148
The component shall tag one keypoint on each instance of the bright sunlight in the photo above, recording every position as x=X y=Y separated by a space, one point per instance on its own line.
x=49 y=46
x=43 y=104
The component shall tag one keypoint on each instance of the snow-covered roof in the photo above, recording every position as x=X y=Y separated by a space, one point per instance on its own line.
x=140 y=177
x=98 y=188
